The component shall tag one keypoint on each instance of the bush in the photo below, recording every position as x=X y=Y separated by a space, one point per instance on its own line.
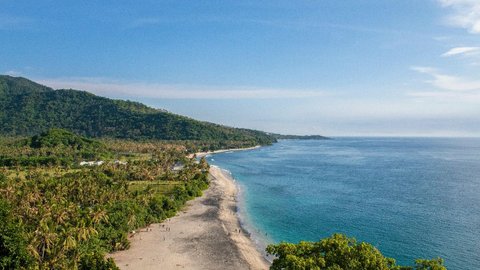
x=339 y=252
x=97 y=262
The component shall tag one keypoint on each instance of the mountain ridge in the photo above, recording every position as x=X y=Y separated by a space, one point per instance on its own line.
x=28 y=108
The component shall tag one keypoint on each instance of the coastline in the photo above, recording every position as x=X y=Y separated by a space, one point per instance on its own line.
x=203 y=154
x=205 y=235
x=229 y=217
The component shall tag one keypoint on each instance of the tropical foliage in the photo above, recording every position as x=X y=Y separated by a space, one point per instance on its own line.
x=61 y=215
x=339 y=252
x=63 y=138
x=55 y=147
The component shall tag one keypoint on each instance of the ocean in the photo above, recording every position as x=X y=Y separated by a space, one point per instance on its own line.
x=409 y=197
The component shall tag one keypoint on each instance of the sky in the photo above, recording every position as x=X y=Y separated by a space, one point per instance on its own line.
x=336 y=68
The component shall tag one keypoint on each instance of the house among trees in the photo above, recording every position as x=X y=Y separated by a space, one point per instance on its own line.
x=119 y=162
x=91 y=163
x=178 y=166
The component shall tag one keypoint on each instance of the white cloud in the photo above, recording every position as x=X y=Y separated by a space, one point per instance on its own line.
x=107 y=87
x=466 y=51
x=13 y=73
x=466 y=14
x=8 y=22
x=463 y=97
x=448 y=82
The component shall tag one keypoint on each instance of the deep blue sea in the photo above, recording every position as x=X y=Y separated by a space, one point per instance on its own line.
x=410 y=197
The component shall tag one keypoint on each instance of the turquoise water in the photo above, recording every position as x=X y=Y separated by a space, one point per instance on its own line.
x=409 y=197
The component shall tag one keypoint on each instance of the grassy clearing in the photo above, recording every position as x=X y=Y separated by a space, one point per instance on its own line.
x=45 y=171
x=156 y=187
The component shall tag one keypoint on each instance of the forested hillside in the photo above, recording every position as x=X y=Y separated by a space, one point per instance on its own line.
x=28 y=108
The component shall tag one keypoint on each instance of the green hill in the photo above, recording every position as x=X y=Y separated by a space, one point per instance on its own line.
x=28 y=108
x=56 y=137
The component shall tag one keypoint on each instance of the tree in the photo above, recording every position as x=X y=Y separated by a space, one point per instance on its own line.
x=204 y=164
x=434 y=264
x=339 y=252
x=13 y=247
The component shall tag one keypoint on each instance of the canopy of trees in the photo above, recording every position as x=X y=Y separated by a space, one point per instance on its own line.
x=339 y=252
x=59 y=215
x=63 y=138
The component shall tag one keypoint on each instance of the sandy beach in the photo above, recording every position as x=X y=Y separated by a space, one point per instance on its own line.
x=205 y=235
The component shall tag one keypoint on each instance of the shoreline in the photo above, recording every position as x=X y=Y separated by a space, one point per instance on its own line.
x=229 y=215
x=206 y=234
x=203 y=154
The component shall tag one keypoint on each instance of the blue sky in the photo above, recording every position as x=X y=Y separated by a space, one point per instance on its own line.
x=350 y=67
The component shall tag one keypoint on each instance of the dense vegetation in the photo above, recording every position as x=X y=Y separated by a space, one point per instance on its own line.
x=60 y=215
x=55 y=147
x=339 y=252
x=63 y=138
x=27 y=108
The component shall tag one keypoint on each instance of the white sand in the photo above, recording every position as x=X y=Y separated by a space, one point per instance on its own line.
x=207 y=235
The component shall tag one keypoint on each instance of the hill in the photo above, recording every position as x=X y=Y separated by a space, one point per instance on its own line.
x=28 y=108
x=62 y=138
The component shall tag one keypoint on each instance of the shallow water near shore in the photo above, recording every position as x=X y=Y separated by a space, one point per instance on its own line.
x=410 y=197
